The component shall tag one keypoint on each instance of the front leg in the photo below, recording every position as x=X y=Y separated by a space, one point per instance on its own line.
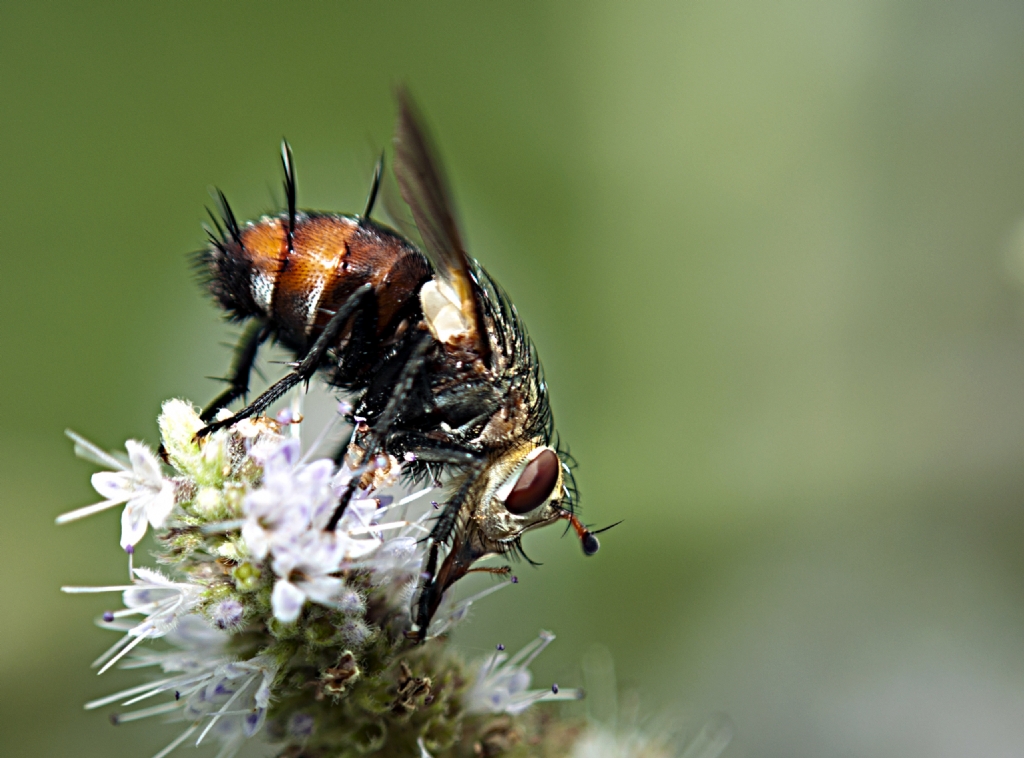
x=431 y=590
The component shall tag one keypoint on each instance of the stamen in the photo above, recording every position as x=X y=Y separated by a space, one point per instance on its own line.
x=113 y=649
x=219 y=527
x=89 y=452
x=87 y=511
x=170 y=748
x=131 y=646
x=295 y=410
x=156 y=710
x=414 y=496
x=460 y=609
x=125 y=693
x=383 y=527
x=329 y=427
x=88 y=590
x=224 y=708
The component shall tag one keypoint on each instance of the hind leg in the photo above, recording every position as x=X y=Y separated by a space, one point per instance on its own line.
x=308 y=366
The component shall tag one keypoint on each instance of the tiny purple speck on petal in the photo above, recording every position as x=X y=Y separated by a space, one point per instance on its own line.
x=108 y=616
x=500 y=646
x=434 y=503
x=129 y=549
x=515 y=579
x=285 y=416
x=554 y=688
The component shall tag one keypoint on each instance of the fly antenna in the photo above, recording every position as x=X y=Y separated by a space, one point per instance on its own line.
x=588 y=539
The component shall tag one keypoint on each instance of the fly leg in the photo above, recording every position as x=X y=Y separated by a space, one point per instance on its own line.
x=371 y=441
x=304 y=371
x=431 y=591
x=241 y=369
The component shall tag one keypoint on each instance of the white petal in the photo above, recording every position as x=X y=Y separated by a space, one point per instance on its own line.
x=253 y=722
x=354 y=549
x=519 y=682
x=322 y=589
x=133 y=524
x=113 y=485
x=262 y=696
x=287 y=600
x=145 y=466
x=318 y=473
x=287 y=557
x=262 y=503
x=256 y=539
x=360 y=512
x=160 y=505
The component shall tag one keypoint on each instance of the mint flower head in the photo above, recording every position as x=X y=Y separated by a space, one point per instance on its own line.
x=265 y=633
x=263 y=629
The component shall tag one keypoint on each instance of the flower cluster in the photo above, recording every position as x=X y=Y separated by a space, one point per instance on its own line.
x=273 y=629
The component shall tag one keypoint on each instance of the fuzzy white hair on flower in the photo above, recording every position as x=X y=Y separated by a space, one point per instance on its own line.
x=147 y=495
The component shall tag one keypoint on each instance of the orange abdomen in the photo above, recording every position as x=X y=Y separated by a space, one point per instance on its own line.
x=330 y=257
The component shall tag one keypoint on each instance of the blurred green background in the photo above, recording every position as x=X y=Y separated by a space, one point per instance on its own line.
x=772 y=255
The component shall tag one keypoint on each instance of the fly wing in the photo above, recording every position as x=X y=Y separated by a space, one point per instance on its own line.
x=424 y=188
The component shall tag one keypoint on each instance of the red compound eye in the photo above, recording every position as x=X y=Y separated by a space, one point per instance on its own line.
x=535 y=484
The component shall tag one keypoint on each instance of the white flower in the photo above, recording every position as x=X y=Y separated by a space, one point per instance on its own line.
x=294 y=496
x=304 y=567
x=148 y=497
x=160 y=601
x=207 y=685
x=286 y=519
x=502 y=684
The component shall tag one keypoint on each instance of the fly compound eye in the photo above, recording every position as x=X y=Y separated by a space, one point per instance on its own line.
x=535 y=484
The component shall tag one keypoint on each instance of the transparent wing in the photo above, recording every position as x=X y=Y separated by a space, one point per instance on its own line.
x=424 y=188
